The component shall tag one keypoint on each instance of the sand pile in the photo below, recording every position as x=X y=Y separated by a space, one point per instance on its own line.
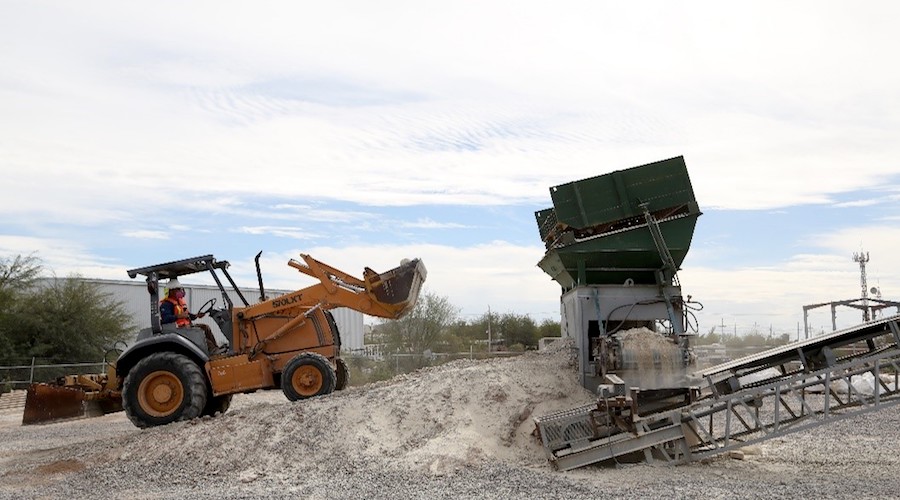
x=437 y=420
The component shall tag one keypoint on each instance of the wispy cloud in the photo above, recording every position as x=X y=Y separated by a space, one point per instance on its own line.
x=318 y=214
x=146 y=234
x=280 y=231
x=431 y=224
x=858 y=203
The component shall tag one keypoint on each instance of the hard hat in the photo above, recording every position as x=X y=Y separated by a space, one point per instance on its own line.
x=173 y=284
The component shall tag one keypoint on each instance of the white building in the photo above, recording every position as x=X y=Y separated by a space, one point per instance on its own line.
x=136 y=300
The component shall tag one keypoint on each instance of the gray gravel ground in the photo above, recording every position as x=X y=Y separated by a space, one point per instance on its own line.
x=433 y=434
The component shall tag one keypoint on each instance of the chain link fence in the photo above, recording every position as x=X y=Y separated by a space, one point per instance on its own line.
x=20 y=376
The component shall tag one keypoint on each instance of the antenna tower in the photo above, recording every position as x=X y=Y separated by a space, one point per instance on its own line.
x=862 y=258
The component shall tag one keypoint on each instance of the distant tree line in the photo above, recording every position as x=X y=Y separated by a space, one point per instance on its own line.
x=55 y=320
x=433 y=333
x=752 y=339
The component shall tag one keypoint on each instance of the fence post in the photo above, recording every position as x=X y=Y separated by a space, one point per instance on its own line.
x=31 y=376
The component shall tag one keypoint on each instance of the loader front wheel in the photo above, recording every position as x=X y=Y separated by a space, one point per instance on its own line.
x=307 y=375
x=162 y=388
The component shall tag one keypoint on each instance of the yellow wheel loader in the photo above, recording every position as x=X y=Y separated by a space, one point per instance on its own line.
x=290 y=342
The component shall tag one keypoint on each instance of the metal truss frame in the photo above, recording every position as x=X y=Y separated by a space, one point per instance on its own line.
x=718 y=423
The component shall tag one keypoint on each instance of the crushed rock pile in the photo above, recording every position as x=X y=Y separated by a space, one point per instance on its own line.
x=437 y=418
x=436 y=421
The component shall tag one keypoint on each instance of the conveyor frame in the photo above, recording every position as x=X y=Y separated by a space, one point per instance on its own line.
x=723 y=420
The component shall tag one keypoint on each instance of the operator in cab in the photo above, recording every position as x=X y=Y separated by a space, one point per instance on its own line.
x=173 y=309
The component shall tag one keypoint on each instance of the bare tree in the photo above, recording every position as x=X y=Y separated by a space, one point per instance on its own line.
x=18 y=273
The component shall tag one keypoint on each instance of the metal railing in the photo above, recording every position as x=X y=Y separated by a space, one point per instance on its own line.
x=21 y=376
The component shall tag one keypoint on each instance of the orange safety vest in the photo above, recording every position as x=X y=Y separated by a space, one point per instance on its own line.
x=180 y=307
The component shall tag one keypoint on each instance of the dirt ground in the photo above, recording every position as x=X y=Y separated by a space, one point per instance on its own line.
x=461 y=430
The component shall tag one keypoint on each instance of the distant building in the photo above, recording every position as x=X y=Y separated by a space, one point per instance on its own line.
x=136 y=301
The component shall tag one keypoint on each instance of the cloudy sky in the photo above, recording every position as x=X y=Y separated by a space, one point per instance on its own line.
x=134 y=133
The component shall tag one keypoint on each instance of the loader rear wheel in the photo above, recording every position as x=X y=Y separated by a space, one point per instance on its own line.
x=162 y=388
x=343 y=375
x=307 y=375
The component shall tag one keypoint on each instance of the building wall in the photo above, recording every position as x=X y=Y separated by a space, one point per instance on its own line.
x=136 y=300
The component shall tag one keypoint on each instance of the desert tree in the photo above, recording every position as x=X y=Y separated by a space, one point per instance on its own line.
x=422 y=328
x=56 y=319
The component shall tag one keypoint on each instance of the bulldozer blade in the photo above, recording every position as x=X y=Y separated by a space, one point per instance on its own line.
x=398 y=289
x=47 y=403
x=100 y=407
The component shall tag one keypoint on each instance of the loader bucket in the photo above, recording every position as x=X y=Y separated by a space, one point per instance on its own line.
x=396 y=291
x=46 y=403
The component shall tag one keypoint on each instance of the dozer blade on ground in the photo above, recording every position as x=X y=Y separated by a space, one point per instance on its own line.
x=47 y=403
x=71 y=396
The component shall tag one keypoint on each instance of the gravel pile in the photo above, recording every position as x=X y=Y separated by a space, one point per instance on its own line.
x=461 y=430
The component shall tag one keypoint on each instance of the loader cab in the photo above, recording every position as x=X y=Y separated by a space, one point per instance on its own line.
x=194 y=335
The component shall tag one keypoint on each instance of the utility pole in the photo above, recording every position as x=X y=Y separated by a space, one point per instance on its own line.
x=489 y=329
x=862 y=258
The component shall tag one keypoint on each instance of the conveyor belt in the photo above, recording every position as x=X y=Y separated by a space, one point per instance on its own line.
x=806 y=355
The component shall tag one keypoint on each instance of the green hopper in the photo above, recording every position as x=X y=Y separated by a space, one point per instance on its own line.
x=599 y=230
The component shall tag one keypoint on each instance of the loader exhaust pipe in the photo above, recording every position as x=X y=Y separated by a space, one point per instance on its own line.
x=262 y=290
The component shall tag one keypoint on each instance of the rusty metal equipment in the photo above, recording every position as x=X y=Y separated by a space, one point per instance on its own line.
x=49 y=402
x=72 y=396
x=290 y=342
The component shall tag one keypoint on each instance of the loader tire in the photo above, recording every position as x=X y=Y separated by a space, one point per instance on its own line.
x=343 y=375
x=163 y=388
x=308 y=375
x=217 y=404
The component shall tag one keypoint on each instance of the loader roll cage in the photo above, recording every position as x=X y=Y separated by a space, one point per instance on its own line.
x=184 y=267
